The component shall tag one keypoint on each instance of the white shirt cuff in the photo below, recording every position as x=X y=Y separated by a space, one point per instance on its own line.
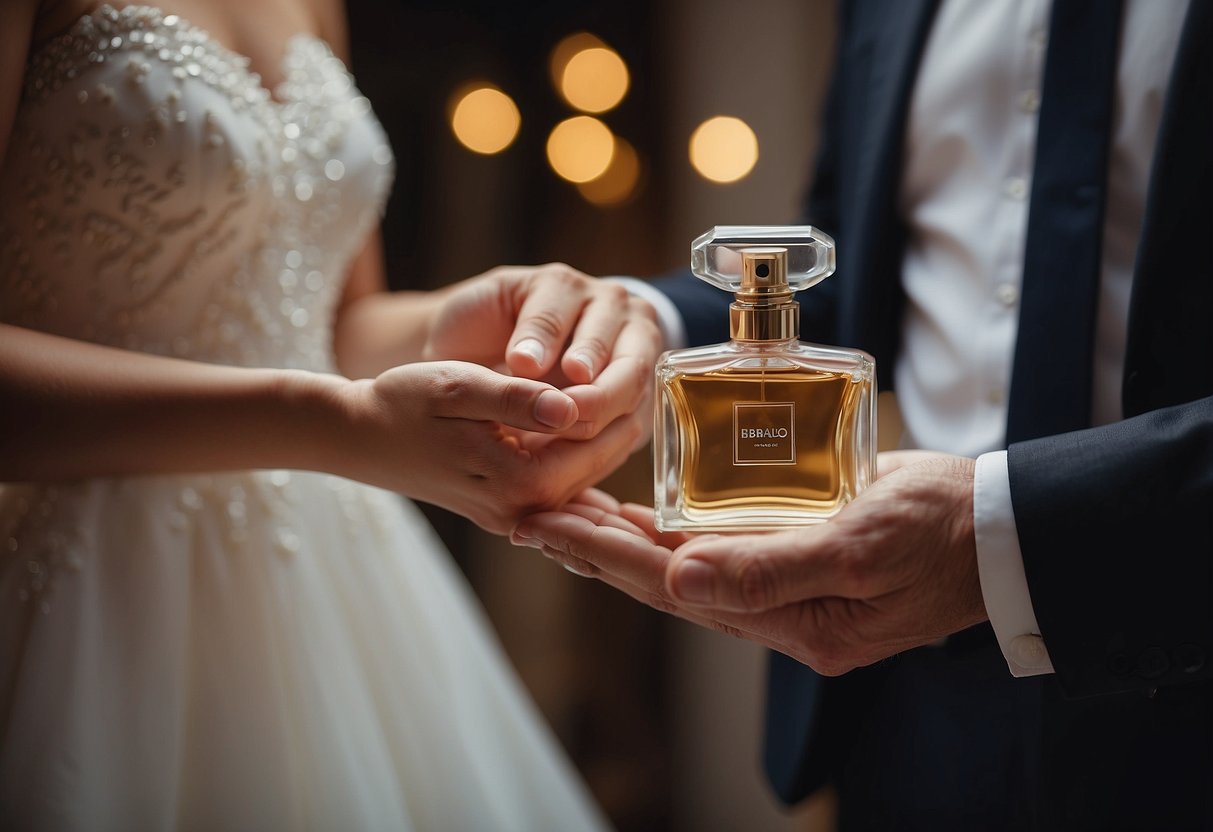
x=1004 y=586
x=669 y=319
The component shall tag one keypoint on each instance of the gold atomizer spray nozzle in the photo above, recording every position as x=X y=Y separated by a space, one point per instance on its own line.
x=763 y=308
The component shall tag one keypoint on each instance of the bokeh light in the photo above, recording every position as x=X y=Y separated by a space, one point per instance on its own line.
x=484 y=119
x=580 y=148
x=619 y=182
x=564 y=51
x=723 y=149
x=594 y=80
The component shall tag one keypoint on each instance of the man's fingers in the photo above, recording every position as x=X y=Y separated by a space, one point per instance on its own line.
x=599 y=499
x=753 y=573
x=624 y=384
x=628 y=556
x=632 y=565
x=593 y=340
x=660 y=601
x=602 y=517
x=602 y=546
x=552 y=307
x=469 y=391
x=642 y=517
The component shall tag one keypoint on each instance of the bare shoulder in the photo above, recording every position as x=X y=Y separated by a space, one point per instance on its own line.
x=333 y=25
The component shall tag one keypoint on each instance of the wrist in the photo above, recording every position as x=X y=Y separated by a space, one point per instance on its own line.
x=425 y=311
x=316 y=410
x=669 y=319
x=385 y=330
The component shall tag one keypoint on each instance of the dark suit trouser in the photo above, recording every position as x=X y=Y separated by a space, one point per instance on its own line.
x=949 y=740
x=944 y=743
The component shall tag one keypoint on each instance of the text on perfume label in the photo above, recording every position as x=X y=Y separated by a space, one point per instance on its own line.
x=764 y=433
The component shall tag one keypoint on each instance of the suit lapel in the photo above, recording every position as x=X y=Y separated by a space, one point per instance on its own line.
x=888 y=38
x=893 y=59
x=1169 y=339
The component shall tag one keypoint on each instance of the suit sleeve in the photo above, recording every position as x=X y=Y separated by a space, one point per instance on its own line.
x=1116 y=528
x=703 y=307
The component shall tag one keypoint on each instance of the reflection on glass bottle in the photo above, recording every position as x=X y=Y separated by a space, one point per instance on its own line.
x=763 y=431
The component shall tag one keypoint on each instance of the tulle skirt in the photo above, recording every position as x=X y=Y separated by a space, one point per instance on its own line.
x=256 y=651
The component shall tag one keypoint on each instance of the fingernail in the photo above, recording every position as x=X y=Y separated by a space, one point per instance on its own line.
x=585 y=361
x=522 y=536
x=532 y=348
x=695 y=582
x=554 y=409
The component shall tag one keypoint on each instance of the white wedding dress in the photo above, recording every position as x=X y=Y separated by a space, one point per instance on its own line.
x=264 y=650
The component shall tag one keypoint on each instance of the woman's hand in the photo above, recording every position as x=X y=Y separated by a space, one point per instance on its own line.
x=457 y=435
x=580 y=333
x=487 y=446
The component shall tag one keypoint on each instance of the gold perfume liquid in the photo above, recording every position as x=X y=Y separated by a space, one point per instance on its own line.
x=800 y=467
x=763 y=431
x=772 y=438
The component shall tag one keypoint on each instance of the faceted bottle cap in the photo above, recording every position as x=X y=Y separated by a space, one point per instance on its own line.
x=717 y=254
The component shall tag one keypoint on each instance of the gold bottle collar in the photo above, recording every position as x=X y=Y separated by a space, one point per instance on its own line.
x=763 y=308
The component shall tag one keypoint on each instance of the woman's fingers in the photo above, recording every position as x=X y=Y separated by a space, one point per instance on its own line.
x=468 y=391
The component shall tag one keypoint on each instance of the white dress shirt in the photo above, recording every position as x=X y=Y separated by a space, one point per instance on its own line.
x=964 y=197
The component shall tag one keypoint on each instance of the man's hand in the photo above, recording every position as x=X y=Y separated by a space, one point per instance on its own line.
x=895 y=569
x=582 y=334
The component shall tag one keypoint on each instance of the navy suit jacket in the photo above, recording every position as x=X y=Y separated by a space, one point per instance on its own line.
x=1115 y=522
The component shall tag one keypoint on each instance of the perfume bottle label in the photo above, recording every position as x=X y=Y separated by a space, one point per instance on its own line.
x=764 y=433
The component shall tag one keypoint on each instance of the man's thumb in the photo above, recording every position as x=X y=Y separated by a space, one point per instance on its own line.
x=746 y=573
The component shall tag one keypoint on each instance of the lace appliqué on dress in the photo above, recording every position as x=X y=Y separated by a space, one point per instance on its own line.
x=155 y=196
x=160 y=199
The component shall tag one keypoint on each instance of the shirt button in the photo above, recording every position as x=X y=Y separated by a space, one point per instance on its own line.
x=1038 y=38
x=1029 y=652
x=1029 y=101
x=995 y=395
x=1016 y=187
x=1008 y=294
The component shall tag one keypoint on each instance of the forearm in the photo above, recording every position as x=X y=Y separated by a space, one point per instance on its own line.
x=73 y=410
x=382 y=330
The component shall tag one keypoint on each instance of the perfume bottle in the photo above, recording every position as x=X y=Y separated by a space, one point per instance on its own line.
x=764 y=431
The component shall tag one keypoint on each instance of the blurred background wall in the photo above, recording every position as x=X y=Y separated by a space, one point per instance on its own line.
x=662 y=719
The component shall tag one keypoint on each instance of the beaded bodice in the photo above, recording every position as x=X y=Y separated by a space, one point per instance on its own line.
x=156 y=196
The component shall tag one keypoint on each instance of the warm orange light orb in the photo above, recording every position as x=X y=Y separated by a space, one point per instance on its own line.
x=485 y=119
x=594 y=80
x=723 y=149
x=619 y=182
x=580 y=148
x=564 y=51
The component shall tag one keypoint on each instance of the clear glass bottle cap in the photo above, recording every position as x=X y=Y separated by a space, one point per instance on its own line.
x=716 y=254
